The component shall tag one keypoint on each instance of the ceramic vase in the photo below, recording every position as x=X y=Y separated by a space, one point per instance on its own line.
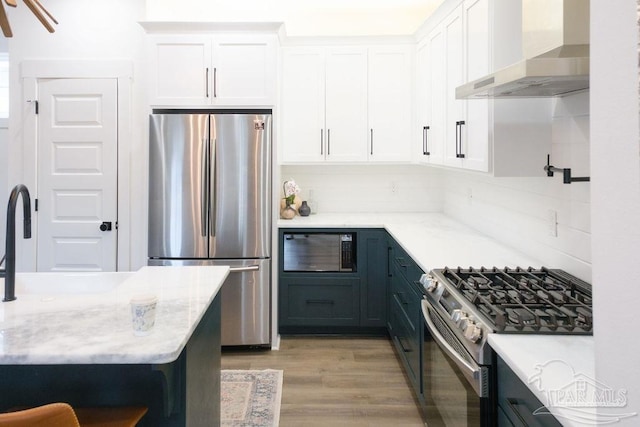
x=304 y=209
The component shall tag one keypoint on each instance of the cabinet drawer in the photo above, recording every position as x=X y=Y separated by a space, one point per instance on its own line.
x=406 y=299
x=405 y=265
x=320 y=302
x=517 y=403
x=407 y=342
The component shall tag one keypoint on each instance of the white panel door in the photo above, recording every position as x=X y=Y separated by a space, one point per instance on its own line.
x=346 y=104
x=181 y=71
x=475 y=135
x=390 y=103
x=77 y=175
x=455 y=118
x=302 y=134
x=244 y=70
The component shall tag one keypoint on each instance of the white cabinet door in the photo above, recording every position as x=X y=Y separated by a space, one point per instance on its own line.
x=346 y=104
x=302 y=131
x=431 y=93
x=244 y=70
x=455 y=117
x=422 y=101
x=475 y=132
x=389 y=109
x=180 y=70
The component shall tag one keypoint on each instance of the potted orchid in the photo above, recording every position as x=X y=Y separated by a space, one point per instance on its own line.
x=291 y=190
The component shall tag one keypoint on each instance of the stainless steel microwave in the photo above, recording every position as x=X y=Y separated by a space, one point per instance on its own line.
x=319 y=252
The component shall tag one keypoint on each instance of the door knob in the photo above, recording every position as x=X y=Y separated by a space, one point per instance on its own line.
x=105 y=226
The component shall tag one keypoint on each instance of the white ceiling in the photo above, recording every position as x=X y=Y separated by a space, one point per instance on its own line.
x=304 y=17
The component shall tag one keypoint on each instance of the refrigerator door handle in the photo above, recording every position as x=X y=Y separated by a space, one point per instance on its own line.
x=205 y=188
x=243 y=269
x=213 y=190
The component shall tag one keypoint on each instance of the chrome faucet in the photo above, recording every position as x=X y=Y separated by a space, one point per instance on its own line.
x=9 y=272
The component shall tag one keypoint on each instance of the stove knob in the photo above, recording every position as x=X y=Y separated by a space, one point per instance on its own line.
x=473 y=332
x=464 y=322
x=431 y=285
x=456 y=315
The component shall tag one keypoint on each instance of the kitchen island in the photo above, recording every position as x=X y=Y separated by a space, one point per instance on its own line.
x=68 y=337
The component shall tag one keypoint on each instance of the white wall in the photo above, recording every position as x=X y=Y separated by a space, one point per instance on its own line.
x=4 y=192
x=306 y=18
x=515 y=210
x=101 y=30
x=368 y=188
x=615 y=169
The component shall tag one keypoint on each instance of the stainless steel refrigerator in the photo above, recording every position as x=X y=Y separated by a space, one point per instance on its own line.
x=210 y=204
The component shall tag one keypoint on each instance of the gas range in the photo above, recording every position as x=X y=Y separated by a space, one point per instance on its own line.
x=475 y=302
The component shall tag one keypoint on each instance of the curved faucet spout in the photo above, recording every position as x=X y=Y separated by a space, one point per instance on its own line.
x=9 y=272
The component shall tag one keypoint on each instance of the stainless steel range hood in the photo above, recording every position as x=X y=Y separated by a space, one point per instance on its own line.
x=555 y=45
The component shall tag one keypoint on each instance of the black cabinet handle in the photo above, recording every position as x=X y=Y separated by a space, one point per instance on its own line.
x=372 y=142
x=320 y=301
x=425 y=143
x=215 y=82
x=389 y=249
x=459 y=125
x=206 y=82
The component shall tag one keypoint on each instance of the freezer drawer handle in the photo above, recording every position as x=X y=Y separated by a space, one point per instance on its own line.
x=242 y=269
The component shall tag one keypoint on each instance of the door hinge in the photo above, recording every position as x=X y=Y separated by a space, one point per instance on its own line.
x=36 y=204
x=35 y=103
x=116 y=225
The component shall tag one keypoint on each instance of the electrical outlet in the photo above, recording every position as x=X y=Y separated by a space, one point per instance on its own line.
x=393 y=187
x=552 y=223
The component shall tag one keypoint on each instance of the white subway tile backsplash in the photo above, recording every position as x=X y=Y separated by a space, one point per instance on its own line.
x=511 y=210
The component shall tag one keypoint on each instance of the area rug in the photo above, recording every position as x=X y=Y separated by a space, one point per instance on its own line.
x=250 y=398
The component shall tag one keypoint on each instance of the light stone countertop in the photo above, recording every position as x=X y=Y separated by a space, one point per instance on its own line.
x=85 y=318
x=434 y=240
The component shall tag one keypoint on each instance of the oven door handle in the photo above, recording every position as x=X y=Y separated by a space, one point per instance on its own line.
x=475 y=374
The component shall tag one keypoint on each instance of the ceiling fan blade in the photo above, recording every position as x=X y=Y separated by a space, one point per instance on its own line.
x=44 y=10
x=41 y=18
x=4 y=22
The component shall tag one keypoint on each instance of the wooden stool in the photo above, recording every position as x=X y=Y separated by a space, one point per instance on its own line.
x=63 y=415
x=117 y=416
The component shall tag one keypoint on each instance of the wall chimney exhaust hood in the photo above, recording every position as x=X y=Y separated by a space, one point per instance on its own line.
x=555 y=45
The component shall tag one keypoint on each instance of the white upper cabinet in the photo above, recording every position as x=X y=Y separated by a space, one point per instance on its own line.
x=213 y=70
x=335 y=98
x=346 y=104
x=504 y=137
x=390 y=83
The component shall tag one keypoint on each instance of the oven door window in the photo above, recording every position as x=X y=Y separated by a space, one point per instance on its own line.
x=449 y=398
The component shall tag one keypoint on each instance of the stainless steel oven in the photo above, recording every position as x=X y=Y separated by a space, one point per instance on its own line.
x=319 y=252
x=456 y=389
x=463 y=306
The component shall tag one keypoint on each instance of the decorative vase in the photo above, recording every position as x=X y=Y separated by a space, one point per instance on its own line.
x=304 y=209
x=289 y=212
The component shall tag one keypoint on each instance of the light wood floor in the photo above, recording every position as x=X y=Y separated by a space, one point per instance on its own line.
x=331 y=381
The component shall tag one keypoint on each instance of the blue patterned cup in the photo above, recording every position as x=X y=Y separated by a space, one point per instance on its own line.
x=143 y=313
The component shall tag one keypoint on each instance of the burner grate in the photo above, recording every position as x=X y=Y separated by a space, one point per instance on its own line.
x=532 y=300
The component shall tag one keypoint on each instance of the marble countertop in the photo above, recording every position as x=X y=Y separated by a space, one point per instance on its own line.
x=434 y=240
x=85 y=318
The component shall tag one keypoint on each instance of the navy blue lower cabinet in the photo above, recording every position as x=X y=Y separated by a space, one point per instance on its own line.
x=516 y=403
x=352 y=301
x=405 y=313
